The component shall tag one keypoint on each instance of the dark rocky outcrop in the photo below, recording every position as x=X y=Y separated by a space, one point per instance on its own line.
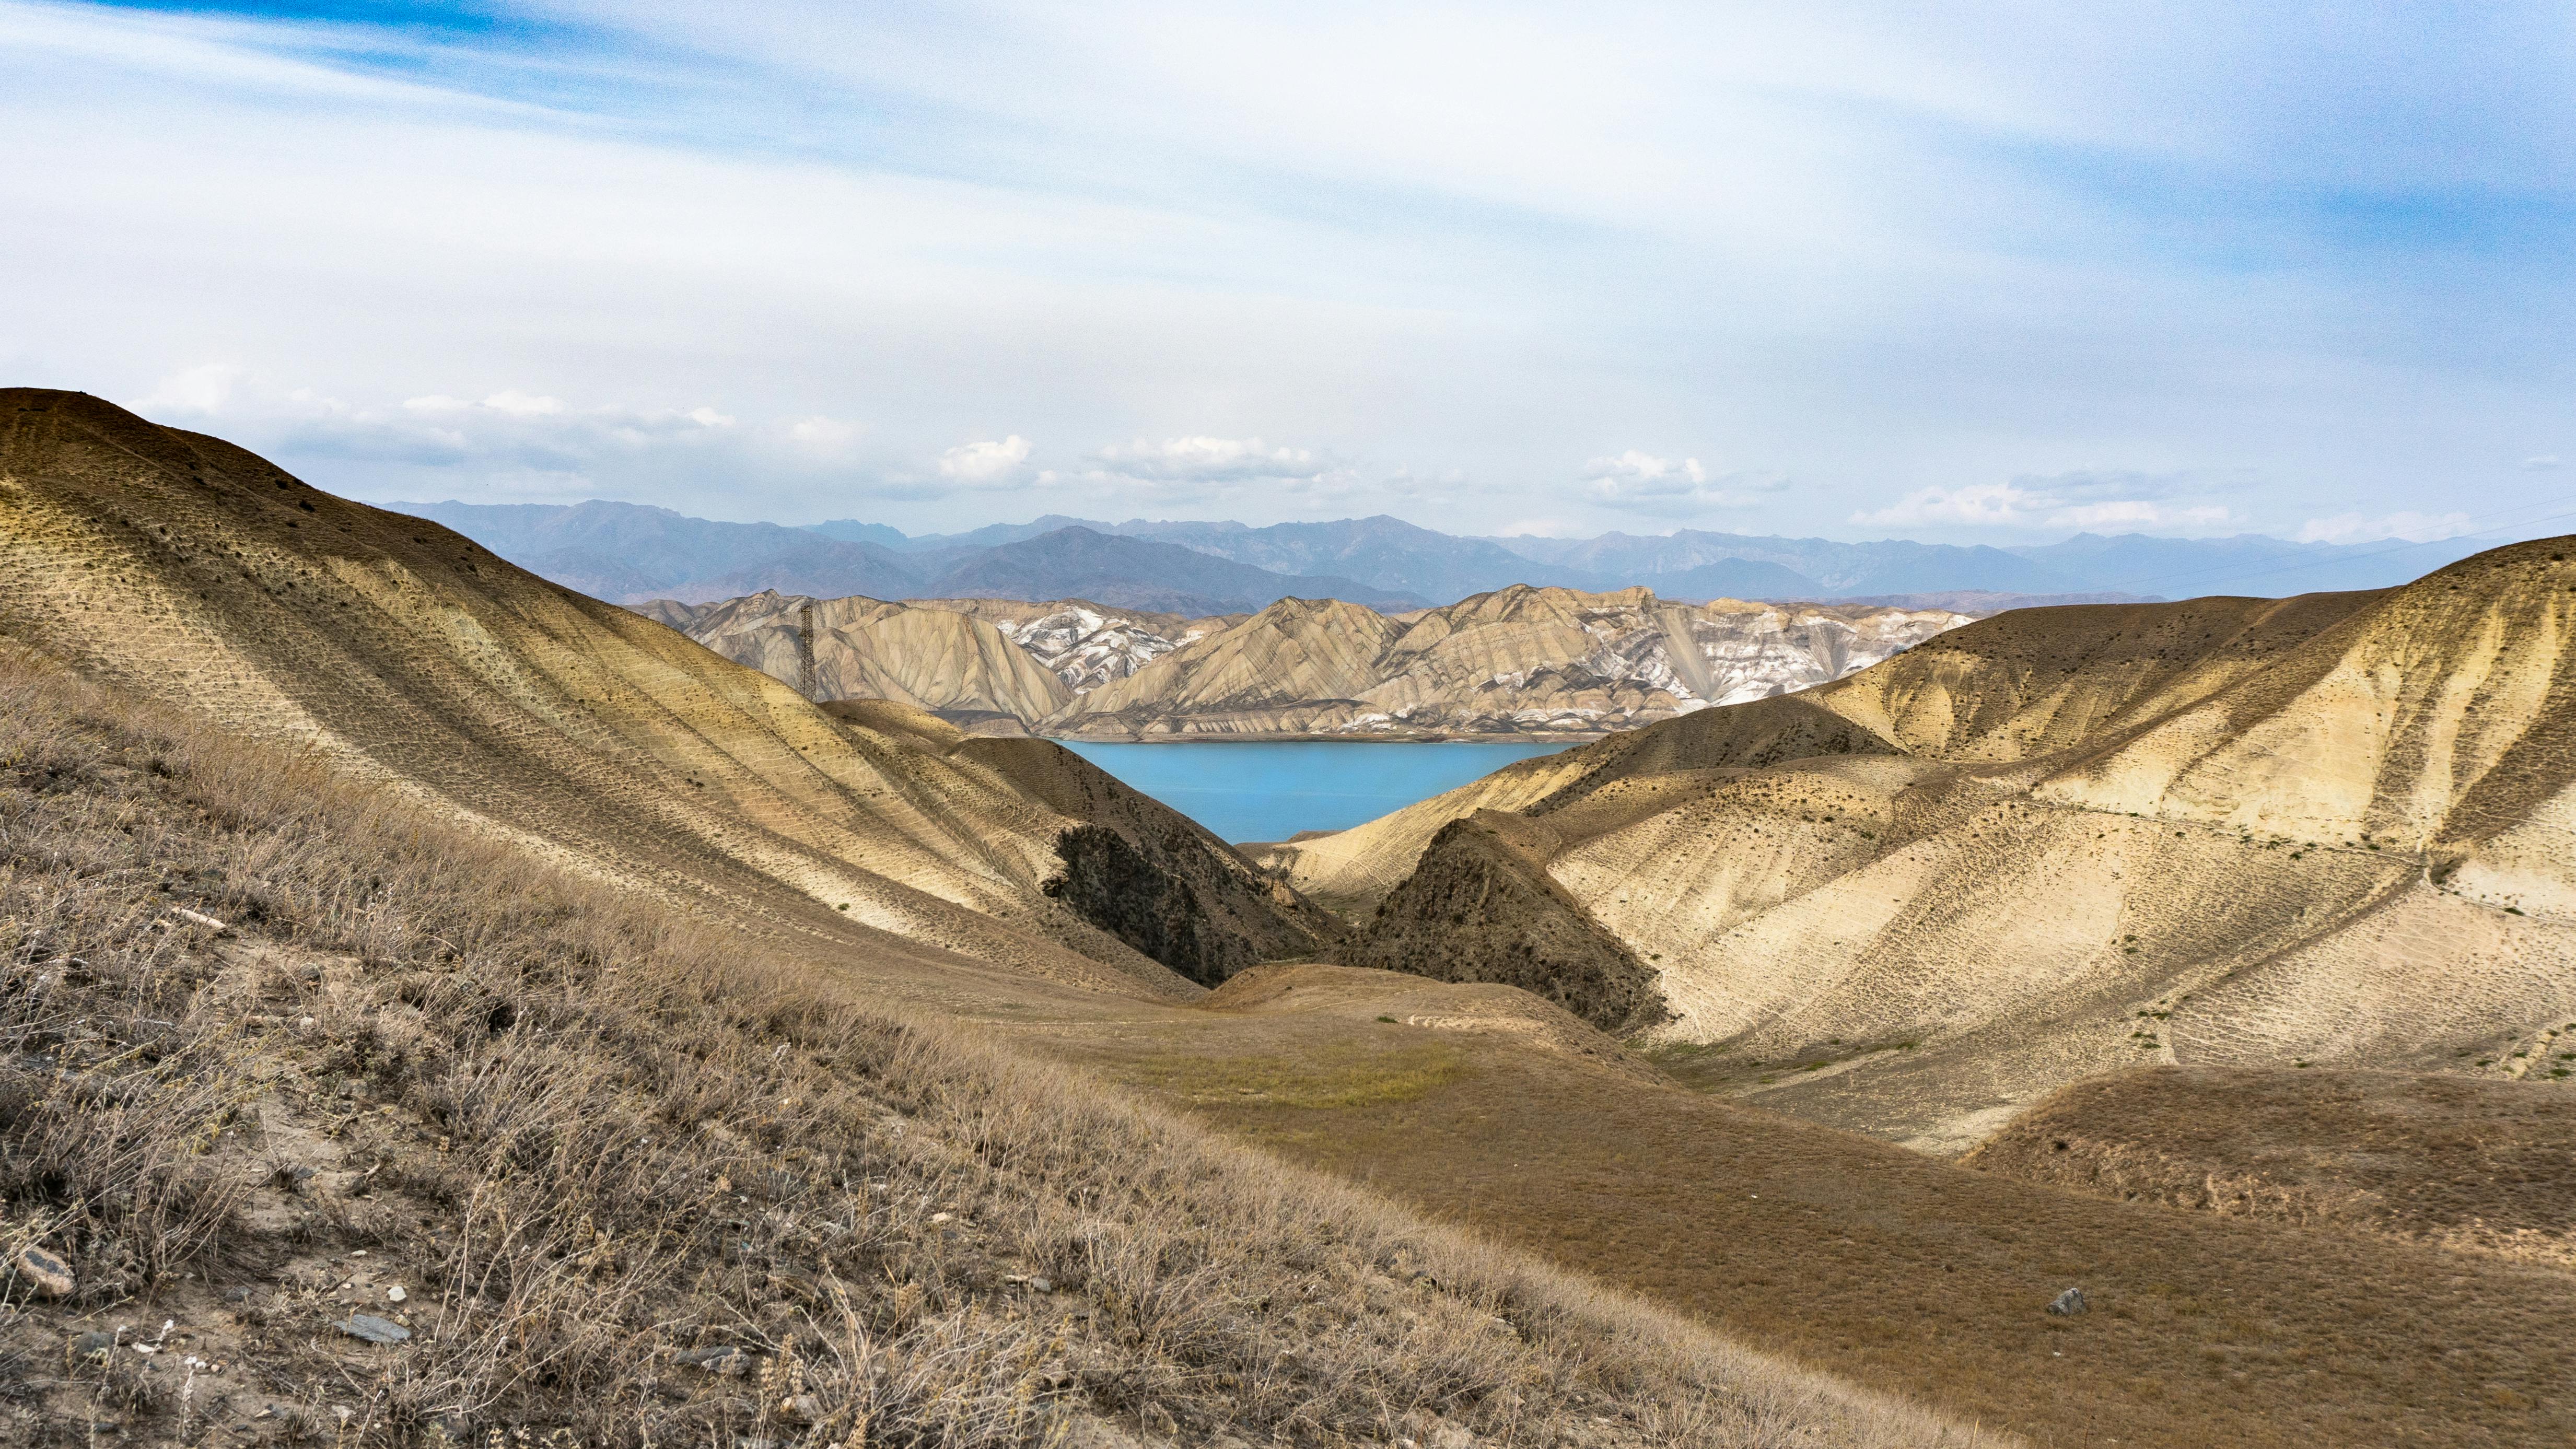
x=1151 y=876
x=1480 y=907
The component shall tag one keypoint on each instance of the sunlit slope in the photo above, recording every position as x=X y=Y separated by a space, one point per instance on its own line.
x=1280 y=670
x=1515 y=661
x=194 y=571
x=935 y=659
x=2332 y=829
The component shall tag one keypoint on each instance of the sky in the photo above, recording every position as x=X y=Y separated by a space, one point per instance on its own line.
x=1964 y=273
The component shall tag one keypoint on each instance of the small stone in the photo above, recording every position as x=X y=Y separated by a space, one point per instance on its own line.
x=94 y=1345
x=2069 y=1303
x=719 y=1358
x=373 y=1329
x=44 y=1272
x=1041 y=1285
x=937 y=1218
x=196 y=919
x=396 y=1294
x=802 y=1408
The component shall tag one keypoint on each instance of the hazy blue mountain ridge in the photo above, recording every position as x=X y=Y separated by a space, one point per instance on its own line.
x=630 y=552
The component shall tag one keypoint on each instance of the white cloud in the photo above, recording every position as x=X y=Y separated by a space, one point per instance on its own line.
x=2406 y=524
x=824 y=438
x=1886 y=251
x=1245 y=473
x=1539 y=528
x=1641 y=482
x=989 y=464
x=203 y=389
x=2542 y=464
x=2085 y=499
x=1207 y=460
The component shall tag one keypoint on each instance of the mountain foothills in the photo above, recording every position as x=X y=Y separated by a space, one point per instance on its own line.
x=178 y=565
x=2337 y=830
x=1523 y=661
x=455 y=1009
x=631 y=553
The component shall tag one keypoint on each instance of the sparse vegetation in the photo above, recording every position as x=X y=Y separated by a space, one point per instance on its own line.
x=648 y=1182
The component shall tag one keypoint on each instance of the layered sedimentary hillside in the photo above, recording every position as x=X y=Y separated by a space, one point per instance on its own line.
x=1085 y=644
x=2338 y=829
x=1549 y=662
x=934 y=659
x=188 y=569
x=1518 y=661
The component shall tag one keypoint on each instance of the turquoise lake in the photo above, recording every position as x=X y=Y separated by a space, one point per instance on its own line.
x=1270 y=790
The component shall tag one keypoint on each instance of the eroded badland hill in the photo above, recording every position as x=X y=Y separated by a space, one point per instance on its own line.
x=1549 y=662
x=2330 y=831
x=376 y=915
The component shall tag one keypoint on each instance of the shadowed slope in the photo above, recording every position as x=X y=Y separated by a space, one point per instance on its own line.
x=1480 y=907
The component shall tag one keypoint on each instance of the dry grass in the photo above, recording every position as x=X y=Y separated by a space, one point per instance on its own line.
x=590 y=1137
x=2455 y=1162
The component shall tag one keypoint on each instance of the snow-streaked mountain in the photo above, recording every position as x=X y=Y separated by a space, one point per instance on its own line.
x=1517 y=661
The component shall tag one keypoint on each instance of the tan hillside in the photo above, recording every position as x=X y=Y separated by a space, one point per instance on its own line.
x=1518 y=661
x=179 y=565
x=2064 y=841
x=587 y=1171
x=933 y=658
x=612 y=1101
x=1082 y=643
x=1295 y=662
x=1548 y=662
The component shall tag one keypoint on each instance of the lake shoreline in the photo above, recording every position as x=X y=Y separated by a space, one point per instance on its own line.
x=1273 y=790
x=1532 y=738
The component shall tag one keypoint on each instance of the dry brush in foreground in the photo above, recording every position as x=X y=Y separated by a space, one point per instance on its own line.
x=642 y=1180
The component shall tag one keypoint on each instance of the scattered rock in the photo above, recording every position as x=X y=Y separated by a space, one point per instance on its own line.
x=373 y=1329
x=2069 y=1303
x=937 y=1218
x=44 y=1272
x=195 y=919
x=94 y=1346
x=720 y=1358
x=1041 y=1285
x=802 y=1409
x=395 y=1294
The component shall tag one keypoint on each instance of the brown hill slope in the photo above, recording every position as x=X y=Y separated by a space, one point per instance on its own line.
x=2333 y=829
x=2477 y=1165
x=184 y=567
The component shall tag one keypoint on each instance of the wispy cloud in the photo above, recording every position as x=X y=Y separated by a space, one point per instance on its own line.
x=2083 y=499
x=2409 y=525
x=989 y=464
x=1876 y=253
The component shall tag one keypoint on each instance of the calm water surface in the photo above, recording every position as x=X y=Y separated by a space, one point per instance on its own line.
x=1271 y=790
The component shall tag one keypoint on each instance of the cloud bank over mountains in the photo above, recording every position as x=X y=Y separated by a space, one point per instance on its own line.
x=1841 y=270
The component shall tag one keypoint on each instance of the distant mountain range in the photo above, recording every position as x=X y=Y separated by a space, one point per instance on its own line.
x=630 y=553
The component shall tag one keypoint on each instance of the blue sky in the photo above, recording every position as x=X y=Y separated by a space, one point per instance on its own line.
x=1974 y=272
